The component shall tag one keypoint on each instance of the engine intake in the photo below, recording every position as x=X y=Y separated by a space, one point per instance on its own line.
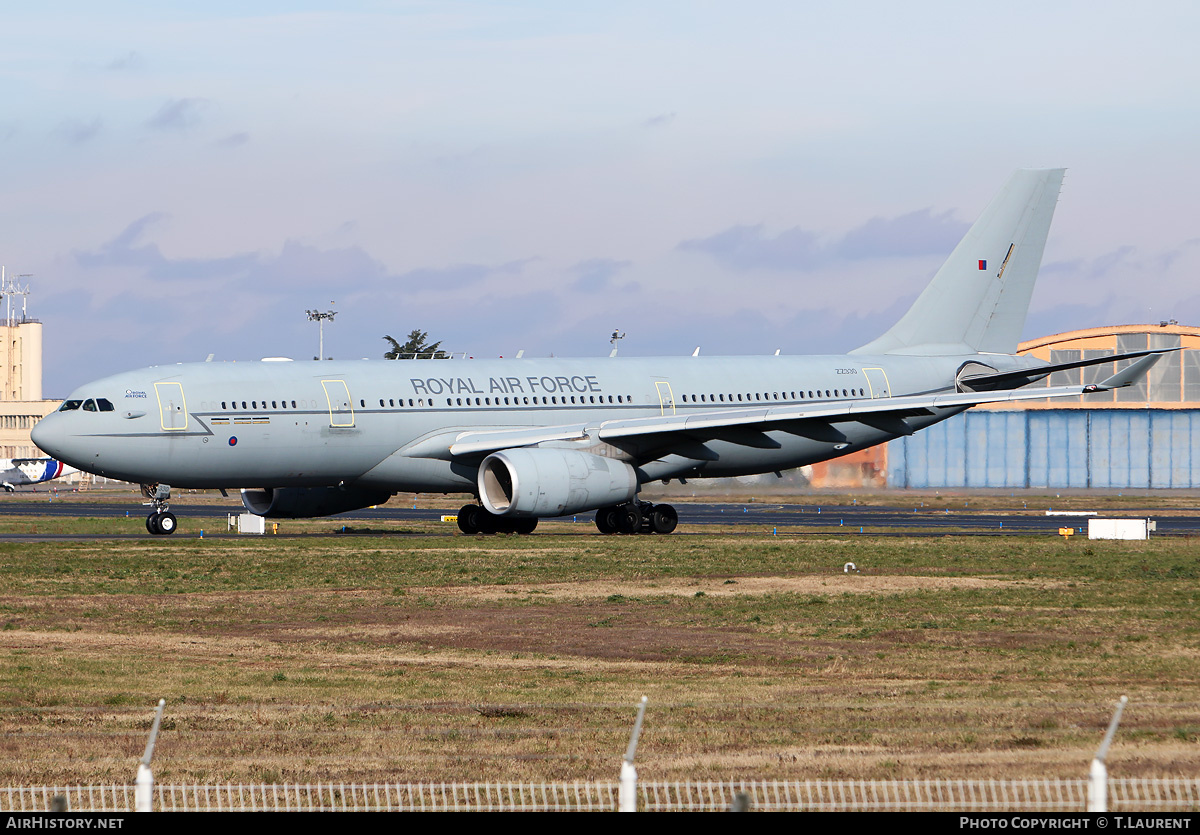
x=552 y=482
x=307 y=502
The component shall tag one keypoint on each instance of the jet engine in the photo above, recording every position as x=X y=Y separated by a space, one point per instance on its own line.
x=552 y=482
x=306 y=502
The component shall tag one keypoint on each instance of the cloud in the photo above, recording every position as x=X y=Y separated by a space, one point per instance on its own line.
x=458 y=276
x=130 y=61
x=596 y=274
x=914 y=234
x=296 y=264
x=123 y=252
x=136 y=263
x=748 y=248
x=178 y=114
x=234 y=140
x=660 y=121
x=77 y=132
x=1092 y=268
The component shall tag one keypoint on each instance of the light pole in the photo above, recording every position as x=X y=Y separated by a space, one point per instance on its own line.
x=319 y=317
x=616 y=337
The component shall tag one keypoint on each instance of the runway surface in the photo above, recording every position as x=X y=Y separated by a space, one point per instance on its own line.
x=852 y=519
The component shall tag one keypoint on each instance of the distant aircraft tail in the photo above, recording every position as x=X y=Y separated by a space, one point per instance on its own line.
x=978 y=300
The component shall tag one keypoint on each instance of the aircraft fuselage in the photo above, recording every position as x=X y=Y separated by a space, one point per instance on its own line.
x=302 y=424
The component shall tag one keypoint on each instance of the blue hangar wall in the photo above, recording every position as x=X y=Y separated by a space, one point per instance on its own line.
x=1148 y=448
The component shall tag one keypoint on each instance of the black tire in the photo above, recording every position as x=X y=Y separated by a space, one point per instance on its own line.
x=629 y=519
x=468 y=518
x=152 y=525
x=167 y=523
x=489 y=523
x=606 y=520
x=663 y=519
x=525 y=526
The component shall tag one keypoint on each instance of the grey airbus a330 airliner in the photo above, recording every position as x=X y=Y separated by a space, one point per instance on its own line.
x=536 y=438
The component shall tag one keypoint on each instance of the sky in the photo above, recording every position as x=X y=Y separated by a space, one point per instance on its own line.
x=744 y=177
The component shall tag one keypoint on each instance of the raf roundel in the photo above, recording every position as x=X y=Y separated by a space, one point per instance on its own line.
x=233 y=440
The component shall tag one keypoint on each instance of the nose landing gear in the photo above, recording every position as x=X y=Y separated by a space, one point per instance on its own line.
x=161 y=521
x=162 y=524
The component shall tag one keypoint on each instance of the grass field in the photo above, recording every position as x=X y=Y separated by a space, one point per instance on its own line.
x=366 y=658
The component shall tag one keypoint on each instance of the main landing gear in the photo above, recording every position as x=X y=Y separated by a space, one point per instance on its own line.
x=637 y=517
x=161 y=521
x=474 y=519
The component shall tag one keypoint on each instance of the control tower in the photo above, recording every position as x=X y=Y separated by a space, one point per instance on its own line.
x=21 y=403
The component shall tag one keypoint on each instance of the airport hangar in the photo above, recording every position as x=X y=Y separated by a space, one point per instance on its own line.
x=1141 y=437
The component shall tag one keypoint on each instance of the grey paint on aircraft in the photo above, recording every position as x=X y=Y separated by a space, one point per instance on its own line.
x=426 y=425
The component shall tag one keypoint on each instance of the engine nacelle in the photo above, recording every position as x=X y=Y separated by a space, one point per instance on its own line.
x=552 y=482
x=306 y=502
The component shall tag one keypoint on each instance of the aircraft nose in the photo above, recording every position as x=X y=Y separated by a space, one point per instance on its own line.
x=48 y=434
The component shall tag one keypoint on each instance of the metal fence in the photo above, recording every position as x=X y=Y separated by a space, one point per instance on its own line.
x=1124 y=795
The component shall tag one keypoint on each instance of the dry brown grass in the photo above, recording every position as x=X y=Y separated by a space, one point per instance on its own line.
x=468 y=659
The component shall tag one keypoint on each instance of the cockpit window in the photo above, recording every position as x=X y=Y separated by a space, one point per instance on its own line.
x=105 y=404
x=89 y=405
x=70 y=405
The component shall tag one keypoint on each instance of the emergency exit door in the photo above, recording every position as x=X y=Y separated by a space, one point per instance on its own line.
x=341 y=409
x=172 y=408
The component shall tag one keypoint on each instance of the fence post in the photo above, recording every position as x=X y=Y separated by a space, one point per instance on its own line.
x=1098 y=774
x=627 y=793
x=144 y=785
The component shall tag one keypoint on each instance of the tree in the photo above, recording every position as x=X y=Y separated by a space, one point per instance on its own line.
x=416 y=347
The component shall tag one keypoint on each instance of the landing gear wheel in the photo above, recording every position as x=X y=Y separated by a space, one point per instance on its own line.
x=606 y=520
x=663 y=519
x=161 y=521
x=524 y=526
x=468 y=518
x=167 y=523
x=488 y=523
x=629 y=519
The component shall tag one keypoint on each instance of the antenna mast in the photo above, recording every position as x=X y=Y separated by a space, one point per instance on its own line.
x=10 y=287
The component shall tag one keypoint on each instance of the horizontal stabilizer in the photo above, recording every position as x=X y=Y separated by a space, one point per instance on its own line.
x=1016 y=379
x=1129 y=376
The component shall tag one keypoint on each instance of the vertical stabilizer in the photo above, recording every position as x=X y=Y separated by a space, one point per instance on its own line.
x=979 y=298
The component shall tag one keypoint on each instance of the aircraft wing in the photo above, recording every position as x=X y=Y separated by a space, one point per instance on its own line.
x=811 y=420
